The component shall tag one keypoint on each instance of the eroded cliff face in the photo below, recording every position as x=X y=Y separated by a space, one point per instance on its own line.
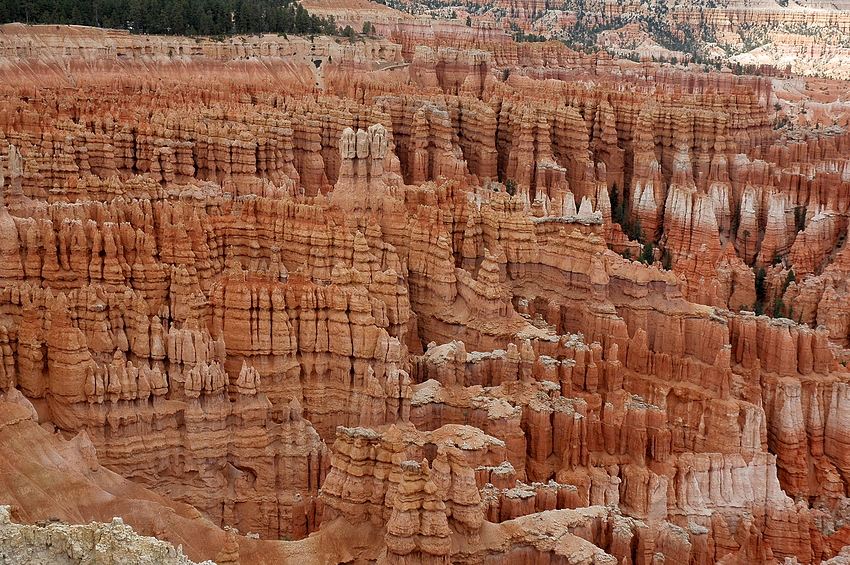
x=771 y=37
x=389 y=313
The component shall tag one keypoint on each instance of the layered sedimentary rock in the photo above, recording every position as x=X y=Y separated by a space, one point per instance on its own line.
x=392 y=314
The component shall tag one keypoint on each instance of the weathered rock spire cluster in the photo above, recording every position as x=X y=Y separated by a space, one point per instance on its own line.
x=393 y=316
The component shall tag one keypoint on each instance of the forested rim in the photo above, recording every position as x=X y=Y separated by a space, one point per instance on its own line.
x=172 y=17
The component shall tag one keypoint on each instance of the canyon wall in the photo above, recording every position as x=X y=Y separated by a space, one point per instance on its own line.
x=390 y=312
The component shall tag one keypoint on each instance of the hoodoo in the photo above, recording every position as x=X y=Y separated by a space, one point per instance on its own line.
x=446 y=291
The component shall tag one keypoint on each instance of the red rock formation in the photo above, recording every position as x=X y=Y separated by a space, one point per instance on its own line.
x=216 y=279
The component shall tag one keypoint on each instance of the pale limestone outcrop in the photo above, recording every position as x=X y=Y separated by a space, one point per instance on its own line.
x=57 y=541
